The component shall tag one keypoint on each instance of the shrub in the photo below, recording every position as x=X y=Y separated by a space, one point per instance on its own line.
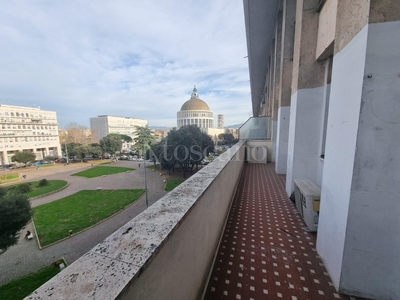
x=43 y=182
x=23 y=188
x=3 y=192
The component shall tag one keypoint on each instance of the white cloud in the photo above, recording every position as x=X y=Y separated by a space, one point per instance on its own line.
x=128 y=58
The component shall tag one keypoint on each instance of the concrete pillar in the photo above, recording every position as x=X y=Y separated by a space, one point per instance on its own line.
x=271 y=80
x=359 y=237
x=286 y=67
x=276 y=82
x=307 y=98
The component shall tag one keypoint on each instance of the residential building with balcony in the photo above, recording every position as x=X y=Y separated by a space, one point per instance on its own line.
x=28 y=129
x=326 y=72
x=324 y=86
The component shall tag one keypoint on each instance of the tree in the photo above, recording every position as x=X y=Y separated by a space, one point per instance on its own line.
x=144 y=139
x=190 y=146
x=95 y=150
x=161 y=153
x=111 y=144
x=81 y=151
x=15 y=212
x=124 y=137
x=75 y=133
x=23 y=157
x=72 y=148
x=227 y=138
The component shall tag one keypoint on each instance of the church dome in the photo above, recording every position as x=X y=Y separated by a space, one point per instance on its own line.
x=195 y=103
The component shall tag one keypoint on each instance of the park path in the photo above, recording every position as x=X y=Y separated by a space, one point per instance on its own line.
x=25 y=257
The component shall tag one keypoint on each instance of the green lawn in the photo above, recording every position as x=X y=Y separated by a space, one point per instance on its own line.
x=173 y=183
x=22 y=287
x=79 y=211
x=53 y=186
x=102 y=170
x=8 y=177
x=152 y=166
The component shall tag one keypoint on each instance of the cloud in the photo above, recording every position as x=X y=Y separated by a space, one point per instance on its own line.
x=127 y=58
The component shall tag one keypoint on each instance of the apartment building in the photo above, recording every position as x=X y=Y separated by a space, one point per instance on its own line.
x=327 y=74
x=28 y=129
x=105 y=124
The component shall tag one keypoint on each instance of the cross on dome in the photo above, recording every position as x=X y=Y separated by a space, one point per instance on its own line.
x=195 y=94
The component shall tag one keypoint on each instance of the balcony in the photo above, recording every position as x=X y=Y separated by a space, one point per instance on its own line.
x=228 y=232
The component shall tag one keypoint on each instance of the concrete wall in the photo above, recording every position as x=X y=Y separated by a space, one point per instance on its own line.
x=358 y=237
x=282 y=140
x=166 y=252
x=371 y=262
x=304 y=135
x=352 y=16
x=326 y=27
x=345 y=100
x=255 y=148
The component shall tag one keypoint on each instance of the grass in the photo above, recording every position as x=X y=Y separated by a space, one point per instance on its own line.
x=173 y=183
x=53 y=186
x=37 y=191
x=79 y=211
x=9 y=177
x=22 y=287
x=152 y=166
x=102 y=170
x=46 y=166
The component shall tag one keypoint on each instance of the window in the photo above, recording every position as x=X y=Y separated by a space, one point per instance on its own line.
x=12 y=114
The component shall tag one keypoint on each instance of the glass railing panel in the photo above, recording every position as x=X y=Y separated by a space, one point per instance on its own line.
x=256 y=128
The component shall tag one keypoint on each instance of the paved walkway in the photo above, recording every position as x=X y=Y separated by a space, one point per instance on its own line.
x=25 y=257
x=265 y=253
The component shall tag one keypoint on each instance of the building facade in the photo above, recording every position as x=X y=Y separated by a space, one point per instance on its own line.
x=104 y=125
x=28 y=129
x=195 y=112
x=327 y=73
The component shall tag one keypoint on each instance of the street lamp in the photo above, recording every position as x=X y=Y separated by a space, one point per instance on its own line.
x=66 y=152
x=145 y=178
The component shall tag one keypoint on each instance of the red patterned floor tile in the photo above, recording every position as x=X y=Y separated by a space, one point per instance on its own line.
x=265 y=253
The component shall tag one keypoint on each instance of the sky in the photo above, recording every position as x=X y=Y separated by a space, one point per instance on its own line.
x=124 y=58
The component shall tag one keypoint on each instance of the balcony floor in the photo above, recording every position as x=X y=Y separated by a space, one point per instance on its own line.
x=265 y=253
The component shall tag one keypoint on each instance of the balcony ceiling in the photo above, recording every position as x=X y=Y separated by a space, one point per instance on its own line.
x=260 y=18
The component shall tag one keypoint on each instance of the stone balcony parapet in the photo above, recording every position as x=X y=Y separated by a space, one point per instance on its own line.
x=165 y=252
